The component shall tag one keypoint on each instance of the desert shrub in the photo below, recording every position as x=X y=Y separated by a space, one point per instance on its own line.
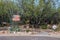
x=27 y=30
x=44 y=26
x=15 y=28
x=58 y=27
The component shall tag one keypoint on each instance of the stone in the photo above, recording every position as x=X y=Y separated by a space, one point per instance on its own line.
x=54 y=27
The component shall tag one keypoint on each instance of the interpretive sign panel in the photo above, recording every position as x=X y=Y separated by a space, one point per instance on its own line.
x=16 y=18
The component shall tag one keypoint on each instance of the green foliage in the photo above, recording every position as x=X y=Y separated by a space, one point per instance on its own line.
x=15 y=28
x=58 y=27
x=45 y=12
x=7 y=9
x=44 y=26
x=27 y=30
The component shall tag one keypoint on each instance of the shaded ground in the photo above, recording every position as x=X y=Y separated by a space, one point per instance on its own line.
x=27 y=38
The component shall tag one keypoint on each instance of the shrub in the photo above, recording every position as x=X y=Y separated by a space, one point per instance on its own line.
x=27 y=30
x=58 y=28
x=15 y=28
x=44 y=26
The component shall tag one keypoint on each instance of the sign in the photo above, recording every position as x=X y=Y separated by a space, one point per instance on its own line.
x=16 y=18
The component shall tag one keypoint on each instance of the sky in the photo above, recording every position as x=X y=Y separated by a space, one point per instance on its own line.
x=36 y=2
x=57 y=2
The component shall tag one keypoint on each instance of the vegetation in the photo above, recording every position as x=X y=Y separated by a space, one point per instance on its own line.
x=7 y=8
x=33 y=12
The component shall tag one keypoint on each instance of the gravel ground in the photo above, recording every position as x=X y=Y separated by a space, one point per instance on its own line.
x=45 y=34
x=42 y=33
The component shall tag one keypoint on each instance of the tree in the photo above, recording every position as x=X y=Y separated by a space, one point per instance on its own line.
x=7 y=8
x=38 y=14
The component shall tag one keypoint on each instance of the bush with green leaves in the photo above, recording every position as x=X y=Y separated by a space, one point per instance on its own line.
x=44 y=26
x=27 y=30
x=15 y=28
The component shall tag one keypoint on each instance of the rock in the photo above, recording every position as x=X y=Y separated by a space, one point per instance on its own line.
x=54 y=27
